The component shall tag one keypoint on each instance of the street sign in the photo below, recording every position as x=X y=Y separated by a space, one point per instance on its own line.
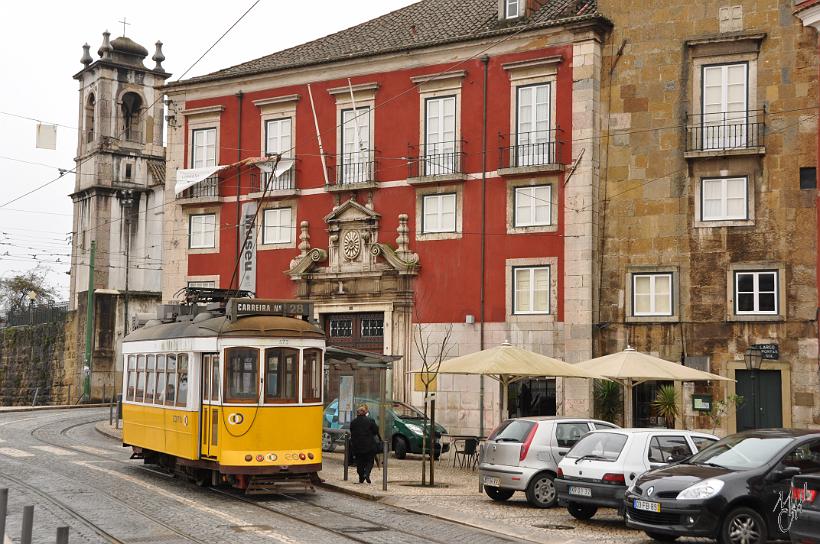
x=771 y=352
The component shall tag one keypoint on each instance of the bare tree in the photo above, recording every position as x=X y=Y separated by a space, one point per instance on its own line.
x=432 y=351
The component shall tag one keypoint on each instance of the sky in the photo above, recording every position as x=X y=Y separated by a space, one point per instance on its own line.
x=41 y=44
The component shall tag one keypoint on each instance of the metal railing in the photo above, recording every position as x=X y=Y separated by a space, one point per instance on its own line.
x=438 y=159
x=525 y=149
x=725 y=130
x=35 y=315
x=356 y=167
x=266 y=181
x=208 y=187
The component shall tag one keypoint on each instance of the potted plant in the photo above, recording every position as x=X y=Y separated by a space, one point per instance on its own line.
x=666 y=404
x=608 y=399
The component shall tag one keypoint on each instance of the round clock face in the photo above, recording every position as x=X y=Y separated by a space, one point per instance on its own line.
x=351 y=244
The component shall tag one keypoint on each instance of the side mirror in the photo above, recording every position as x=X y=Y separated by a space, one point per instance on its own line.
x=785 y=473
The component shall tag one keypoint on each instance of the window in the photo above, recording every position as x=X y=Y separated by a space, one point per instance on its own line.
x=182 y=379
x=241 y=374
x=202 y=231
x=533 y=141
x=512 y=8
x=651 y=294
x=724 y=199
x=604 y=446
x=276 y=227
x=171 y=379
x=159 y=398
x=281 y=375
x=312 y=375
x=355 y=160
x=132 y=377
x=531 y=286
x=373 y=327
x=532 y=205
x=756 y=292
x=210 y=377
x=439 y=213
x=567 y=434
x=140 y=391
x=512 y=430
x=701 y=442
x=151 y=380
x=808 y=177
x=90 y=107
x=202 y=284
x=203 y=150
x=806 y=457
x=131 y=108
x=278 y=137
x=724 y=106
x=668 y=449
x=440 y=152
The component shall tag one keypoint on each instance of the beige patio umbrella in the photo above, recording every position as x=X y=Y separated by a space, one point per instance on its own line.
x=509 y=364
x=631 y=367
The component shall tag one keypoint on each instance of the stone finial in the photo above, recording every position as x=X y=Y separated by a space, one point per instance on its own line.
x=304 y=239
x=105 y=49
x=86 y=60
x=402 y=240
x=158 y=56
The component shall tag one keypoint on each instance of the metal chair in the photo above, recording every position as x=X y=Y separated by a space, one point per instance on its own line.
x=467 y=454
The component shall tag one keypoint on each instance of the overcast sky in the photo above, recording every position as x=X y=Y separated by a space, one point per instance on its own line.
x=41 y=45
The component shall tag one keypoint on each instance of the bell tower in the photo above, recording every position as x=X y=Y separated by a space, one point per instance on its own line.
x=118 y=193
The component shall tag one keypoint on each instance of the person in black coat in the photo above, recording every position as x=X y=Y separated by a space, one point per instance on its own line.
x=364 y=437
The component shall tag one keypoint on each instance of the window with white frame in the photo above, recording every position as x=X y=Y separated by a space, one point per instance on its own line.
x=533 y=138
x=724 y=199
x=277 y=226
x=439 y=213
x=756 y=292
x=203 y=148
x=278 y=136
x=512 y=8
x=725 y=105
x=652 y=294
x=440 y=150
x=531 y=288
x=202 y=231
x=532 y=205
x=202 y=284
x=355 y=161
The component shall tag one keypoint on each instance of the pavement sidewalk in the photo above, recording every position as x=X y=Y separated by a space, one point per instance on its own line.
x=51 y=407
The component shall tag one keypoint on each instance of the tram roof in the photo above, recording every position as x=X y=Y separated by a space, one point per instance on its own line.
x=222 y=326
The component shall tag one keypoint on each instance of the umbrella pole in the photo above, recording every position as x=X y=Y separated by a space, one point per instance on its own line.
x=628 y=403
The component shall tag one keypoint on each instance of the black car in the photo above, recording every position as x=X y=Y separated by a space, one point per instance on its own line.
x=805 y=511
x=737 y=490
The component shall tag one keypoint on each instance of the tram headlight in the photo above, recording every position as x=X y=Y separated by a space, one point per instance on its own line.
x=415 y=429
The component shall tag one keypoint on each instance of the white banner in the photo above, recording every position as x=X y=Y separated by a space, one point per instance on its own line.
x=46 y=136
x=247 y=258
x=191 y=176
x=283 y=166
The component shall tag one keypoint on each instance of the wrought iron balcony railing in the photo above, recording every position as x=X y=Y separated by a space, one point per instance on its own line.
x=528 y=149
x=208 y=187
x=723 y=131
x=435 y=159
x=356 y=167
x=267 y=182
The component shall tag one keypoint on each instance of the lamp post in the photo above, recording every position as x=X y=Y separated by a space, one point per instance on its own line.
x=753 y=357
x=126 y=197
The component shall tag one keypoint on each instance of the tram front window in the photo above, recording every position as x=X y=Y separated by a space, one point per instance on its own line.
x=281 y=375
x=312 y=375
x=242 y=376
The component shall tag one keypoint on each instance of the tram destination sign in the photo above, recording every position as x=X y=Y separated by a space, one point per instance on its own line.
x=239 y=307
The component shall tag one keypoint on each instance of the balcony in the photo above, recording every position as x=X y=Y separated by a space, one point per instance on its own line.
x=265 y=183
x=434 y=163
x=206 y=190
x=356 y=170
x=725 y=133
x=529 y=152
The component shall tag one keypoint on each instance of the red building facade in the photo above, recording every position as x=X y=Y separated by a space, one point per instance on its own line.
x=433 y=185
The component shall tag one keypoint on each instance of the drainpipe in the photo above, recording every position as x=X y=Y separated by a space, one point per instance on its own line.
x=486 y=61
x=239 y=96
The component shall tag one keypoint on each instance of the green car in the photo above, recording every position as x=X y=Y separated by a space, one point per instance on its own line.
x=406 y=426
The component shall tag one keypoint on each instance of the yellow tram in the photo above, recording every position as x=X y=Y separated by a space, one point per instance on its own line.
x=230 y=395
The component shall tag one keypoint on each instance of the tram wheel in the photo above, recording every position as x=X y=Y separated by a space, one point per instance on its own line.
x=202 y=478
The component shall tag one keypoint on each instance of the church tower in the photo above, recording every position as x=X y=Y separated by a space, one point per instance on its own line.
x=118 y=195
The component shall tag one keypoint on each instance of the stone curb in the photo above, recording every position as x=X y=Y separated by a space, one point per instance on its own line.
x=104 y=429
x=355 y=493
x=4 y=409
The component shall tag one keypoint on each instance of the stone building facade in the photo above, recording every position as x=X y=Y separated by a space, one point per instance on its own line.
x=708 y=238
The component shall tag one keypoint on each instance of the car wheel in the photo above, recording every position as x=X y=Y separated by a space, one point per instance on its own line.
x=660 y=537
x=400 y=447
x=541 y=491
x=498 y=494
x=743 y=526
x=581 y=511
x=328 y=443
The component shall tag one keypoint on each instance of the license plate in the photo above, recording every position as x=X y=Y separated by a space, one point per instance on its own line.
x=492 y=482
x=580 y=491
x=647 y=506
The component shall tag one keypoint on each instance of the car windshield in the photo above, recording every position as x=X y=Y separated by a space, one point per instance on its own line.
x=403 y=411
x=601 y=446
x=740 y=452
x=512 y=430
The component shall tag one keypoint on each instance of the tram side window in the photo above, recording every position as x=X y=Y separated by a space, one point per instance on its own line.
x=281 y=375
x=312 y=375
x=132 y=377
x=140 y=391
x=159 y=398
x=150 y=377
x=171 y=380
x=242 y=374
x=182 y=381
x=215 y=378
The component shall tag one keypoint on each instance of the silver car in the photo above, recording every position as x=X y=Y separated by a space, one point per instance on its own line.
x=522 y=454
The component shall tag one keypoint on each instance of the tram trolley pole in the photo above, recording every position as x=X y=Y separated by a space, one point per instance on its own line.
x=28 y=524
x=347 y=454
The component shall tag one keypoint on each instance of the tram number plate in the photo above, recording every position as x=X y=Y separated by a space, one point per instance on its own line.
x=580 y=491
x=648 y=506
x=492 y=482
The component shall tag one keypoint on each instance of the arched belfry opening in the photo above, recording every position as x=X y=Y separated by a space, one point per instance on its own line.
x=90 y=107
x=130 y=109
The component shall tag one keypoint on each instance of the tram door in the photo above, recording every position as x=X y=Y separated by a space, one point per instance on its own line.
x=209 y=416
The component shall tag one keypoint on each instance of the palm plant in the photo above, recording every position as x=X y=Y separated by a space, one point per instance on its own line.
x=608 y=399
x=666 y=404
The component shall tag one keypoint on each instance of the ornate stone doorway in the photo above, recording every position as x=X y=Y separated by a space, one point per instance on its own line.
x=363 y=331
